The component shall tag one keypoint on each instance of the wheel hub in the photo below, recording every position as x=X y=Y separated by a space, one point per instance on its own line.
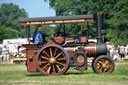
x=104 y=65
x=80 y=58
x=52 y=60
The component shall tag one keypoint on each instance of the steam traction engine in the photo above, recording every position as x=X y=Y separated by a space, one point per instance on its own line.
x=57 y=55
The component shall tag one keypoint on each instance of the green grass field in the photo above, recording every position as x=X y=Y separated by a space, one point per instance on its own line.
x=16 y=74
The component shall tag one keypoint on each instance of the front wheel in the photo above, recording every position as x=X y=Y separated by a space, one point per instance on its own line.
x=103 y=64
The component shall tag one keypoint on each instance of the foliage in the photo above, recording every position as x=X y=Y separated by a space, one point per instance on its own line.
x=9 y=23
x=115 y=18
x=9 y=20
x=10 y=15
x=48 y=30
x=114 y=12
x=118 y=23
x=7 y=32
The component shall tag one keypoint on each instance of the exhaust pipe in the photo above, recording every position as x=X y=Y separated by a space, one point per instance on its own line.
x=99 y=27
x=101 y=48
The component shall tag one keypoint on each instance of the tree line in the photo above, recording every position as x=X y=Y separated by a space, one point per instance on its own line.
x=9 y=21
x=114 y=13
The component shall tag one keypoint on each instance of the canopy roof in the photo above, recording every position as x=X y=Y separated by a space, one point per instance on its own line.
x=56 y=20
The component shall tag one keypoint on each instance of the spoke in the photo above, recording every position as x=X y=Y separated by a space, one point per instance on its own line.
x=106 y=70
x=98 y=65
x=44 y=62
x=60 y=63
x=100 y=62
x=39 y=62
x=50 y=51
x=53 y=67
x=49 y=68
x=108 y=66
x=46 y=65
x=55 y=51
x=46 y=53
x=103 y=61
x=58 y=55
x=58 y=68
x=101 y=68
x=60 y=59
x=44 y=57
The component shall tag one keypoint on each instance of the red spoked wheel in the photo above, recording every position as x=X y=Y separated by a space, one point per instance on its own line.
x=52 y=60
x=103 y=64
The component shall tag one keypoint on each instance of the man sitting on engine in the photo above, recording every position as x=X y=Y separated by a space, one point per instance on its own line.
x=39 y=37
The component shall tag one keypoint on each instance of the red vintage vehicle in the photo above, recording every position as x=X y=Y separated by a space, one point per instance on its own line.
x=57 y=55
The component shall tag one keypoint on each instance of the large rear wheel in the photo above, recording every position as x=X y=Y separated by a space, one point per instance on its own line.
x=52 y=60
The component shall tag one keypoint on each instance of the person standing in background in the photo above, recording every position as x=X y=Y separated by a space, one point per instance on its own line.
x=1 y=55
x=122 y=50
x=5 y=54
x=8 y=55
x=127 y=51
x=116 y=56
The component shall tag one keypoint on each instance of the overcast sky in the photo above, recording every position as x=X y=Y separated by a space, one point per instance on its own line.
x=35 y=8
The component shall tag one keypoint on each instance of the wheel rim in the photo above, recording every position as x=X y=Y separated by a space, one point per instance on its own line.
x=104 y=65
x=52 y=60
